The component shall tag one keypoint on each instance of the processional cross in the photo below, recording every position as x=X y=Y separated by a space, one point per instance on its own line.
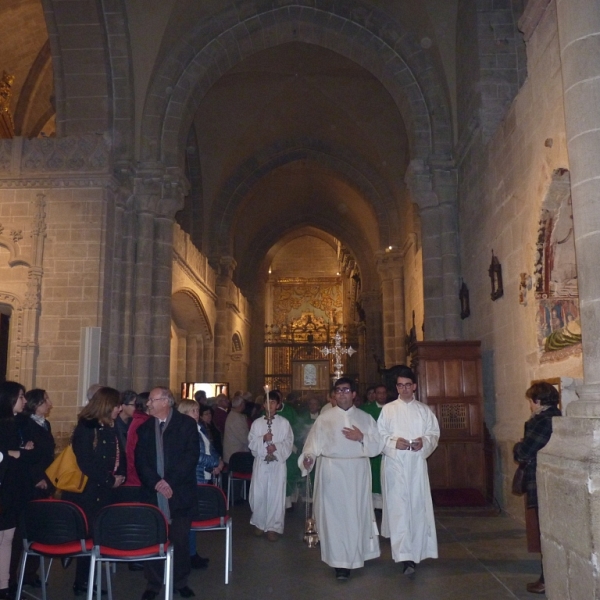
x=337 y=351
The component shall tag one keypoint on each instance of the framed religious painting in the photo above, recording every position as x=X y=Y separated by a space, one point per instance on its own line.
x=310 y=375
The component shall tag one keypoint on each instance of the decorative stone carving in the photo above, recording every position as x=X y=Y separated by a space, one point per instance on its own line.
x=60 y=182
x=16 y=235
x=159 y=192
x=34 y=285
x=89 y=152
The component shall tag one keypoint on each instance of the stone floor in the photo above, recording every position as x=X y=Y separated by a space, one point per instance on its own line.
x=481 y=558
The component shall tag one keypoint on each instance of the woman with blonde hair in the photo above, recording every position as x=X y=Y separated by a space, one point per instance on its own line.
x=100 y=457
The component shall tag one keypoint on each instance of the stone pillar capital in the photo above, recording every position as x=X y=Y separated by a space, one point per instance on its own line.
x=159 y=191
x=227 y=265
x=389 y=263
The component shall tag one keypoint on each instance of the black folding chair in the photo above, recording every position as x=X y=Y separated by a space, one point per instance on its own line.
x=212 y=516
x=130 y=532
x=52 y=529
x=239 y=469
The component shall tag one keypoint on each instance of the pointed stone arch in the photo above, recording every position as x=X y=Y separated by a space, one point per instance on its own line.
x=254 y=262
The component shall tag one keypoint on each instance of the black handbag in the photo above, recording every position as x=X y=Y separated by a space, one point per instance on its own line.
x=518 y=487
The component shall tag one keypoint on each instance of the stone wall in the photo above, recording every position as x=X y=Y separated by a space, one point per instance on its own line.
x=502 y=185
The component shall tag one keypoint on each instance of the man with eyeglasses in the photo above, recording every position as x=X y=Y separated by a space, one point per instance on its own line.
x=410 y=433
x=166 y=456
x=341 y=442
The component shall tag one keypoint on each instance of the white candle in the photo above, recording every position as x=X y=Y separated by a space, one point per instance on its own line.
x=266 y=388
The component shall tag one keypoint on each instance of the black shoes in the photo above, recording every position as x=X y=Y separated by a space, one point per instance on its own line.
x=65 y=561
x=79 y=589
x=135 y=566
x=409 y=567
x=185 y=592
x=35 y=582
x=149 y=595
x=342 y=574
x=198 y=562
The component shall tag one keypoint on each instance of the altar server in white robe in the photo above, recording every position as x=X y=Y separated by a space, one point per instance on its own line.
x=410 y=433
x=341 y=442
x=267 y=488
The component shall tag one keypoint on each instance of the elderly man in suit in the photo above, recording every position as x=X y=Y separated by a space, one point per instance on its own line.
x=166 y=456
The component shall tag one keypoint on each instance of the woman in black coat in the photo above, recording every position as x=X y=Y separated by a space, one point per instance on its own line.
x=543 y=403
x=33 y=427
x=12 y=400
x=100 y=457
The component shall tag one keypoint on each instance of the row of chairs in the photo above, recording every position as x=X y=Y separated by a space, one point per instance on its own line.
x=123 y=532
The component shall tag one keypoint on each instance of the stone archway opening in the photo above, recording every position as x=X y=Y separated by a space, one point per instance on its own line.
x=191 y=338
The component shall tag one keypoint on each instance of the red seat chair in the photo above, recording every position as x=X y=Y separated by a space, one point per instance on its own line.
x=130 y=532
x=239 y=469
x=53 y=529
x=212 y=516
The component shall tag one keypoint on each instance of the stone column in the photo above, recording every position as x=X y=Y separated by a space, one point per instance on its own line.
x=257 y=367
x=162 y=286
x=569 y=466
x=209 y=361
x=191 y=358
x=372 y=305
x=200 y=359
x=31 y=307
x=445 y=186
x=158 y=195
x=223 y=331
x=399 y=319
x=142 y=303
x=390 y=265
x=434 y=190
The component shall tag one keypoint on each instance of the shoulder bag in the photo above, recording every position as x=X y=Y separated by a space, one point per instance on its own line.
x=65 y=474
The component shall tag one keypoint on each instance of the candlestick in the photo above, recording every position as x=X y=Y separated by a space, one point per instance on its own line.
x=269 y=457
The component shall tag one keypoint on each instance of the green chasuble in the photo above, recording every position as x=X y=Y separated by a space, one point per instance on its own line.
x=293 y=470
x=374 y=410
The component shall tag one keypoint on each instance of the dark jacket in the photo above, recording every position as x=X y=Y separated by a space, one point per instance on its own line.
x=181 y=444
x=9 y=469
x=537 y=432
x=95 y=447
x=34 y=462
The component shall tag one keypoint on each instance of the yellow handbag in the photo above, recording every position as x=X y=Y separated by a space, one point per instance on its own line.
x=65 y=474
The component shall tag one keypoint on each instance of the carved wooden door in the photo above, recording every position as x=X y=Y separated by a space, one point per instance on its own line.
x=449 y=381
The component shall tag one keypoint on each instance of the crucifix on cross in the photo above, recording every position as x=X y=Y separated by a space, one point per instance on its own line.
x=337 y=351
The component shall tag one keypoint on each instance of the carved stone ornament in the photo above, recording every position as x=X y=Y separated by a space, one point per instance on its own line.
x=465 y=305
x=495 y=273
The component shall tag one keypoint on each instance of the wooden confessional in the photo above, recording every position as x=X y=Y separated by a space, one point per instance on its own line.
x=450 y=382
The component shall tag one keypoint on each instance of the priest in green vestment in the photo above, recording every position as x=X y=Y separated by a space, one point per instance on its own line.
x=374 y=409
x=293 y=471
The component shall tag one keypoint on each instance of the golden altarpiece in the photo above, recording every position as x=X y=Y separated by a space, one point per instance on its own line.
x=294 y=357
